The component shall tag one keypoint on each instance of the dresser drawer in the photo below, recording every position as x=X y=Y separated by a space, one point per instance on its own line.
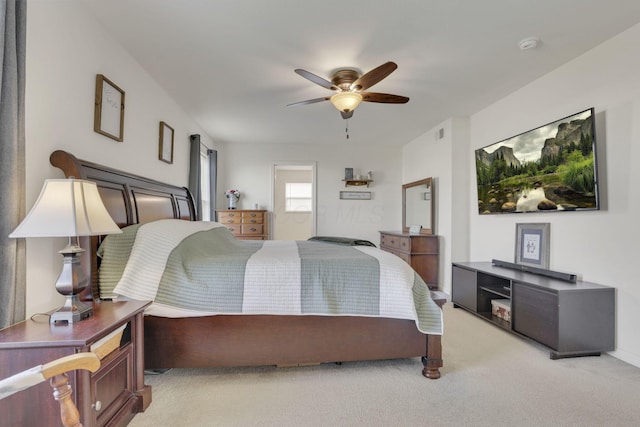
x=404 y=244
x=390 y=241
x=251 y=229
x=229 y=217
x=252 y=217
x=234 y=228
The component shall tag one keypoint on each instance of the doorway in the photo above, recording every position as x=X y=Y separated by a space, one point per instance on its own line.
x=294 y=200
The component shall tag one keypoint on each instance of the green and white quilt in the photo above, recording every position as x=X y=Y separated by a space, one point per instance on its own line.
x=199 y=268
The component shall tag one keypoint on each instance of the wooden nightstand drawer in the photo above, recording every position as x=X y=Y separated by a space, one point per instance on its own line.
x=113 y=384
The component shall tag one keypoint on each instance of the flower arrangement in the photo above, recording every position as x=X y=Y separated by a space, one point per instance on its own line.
x=234 y=193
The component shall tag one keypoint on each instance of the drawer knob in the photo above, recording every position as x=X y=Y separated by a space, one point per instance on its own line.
x=97 y=406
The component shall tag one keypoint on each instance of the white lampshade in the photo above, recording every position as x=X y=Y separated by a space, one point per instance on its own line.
x=67 y=208
x=346 y=101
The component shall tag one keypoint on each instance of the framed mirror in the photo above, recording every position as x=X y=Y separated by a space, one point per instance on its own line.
x=418 y=206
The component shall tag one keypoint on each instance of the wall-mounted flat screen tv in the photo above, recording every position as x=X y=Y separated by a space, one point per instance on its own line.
x=550 y=168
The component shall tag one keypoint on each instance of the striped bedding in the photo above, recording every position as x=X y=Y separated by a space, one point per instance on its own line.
x=200 y=269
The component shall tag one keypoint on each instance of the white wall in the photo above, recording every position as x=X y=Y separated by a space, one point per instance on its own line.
x=251 y=174
x=66 y=48
x=600 y=246
x=444 y=159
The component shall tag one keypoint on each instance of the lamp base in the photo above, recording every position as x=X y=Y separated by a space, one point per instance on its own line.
x=71 y=282
x=72 y=311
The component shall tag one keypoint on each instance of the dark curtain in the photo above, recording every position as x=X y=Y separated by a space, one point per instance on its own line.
x=195 y=186
x=13 y=22
x=195 y=172
x=213 y=182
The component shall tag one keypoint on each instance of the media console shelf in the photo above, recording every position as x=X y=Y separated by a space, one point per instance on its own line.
x=571 y=318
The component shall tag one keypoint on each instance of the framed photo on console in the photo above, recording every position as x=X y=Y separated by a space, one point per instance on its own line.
x=532 y=245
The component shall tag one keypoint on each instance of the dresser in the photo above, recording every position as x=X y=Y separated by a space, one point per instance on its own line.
x=245 y=224
x=420 y=251
x=110 y=396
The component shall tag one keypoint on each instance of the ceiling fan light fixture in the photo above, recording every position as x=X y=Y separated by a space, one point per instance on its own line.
x=346 y=101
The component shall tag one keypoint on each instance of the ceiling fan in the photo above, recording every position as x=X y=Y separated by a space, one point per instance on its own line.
x=349 y=85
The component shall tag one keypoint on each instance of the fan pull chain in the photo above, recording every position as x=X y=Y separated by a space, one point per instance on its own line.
x=347 y=128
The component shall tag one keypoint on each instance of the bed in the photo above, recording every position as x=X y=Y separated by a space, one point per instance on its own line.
x=238 y=340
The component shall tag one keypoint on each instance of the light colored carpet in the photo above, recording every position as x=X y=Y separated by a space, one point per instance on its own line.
x=490 y=378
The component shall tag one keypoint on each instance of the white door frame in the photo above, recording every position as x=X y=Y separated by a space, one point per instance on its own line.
x=314 y=204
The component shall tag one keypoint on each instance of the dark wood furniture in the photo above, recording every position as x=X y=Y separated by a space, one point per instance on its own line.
x=571 y=319
x=110 y=396
x=245 y=224
x=56 y=372
x=420 y=251
x=242 y=340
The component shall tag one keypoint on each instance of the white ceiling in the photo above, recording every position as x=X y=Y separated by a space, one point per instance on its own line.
x=229 y=63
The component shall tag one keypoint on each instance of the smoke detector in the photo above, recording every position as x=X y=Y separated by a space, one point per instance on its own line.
x=528 y=43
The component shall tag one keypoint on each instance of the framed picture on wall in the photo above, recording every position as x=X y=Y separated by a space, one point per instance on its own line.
x=108 y=118
x=532 y=245
x=166 y=143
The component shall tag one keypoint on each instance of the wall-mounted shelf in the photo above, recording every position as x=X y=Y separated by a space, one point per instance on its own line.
x=356 y=182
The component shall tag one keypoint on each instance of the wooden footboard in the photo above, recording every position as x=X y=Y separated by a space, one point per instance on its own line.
x=284 y=340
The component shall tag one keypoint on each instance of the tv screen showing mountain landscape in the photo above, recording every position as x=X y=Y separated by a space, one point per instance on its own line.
x=550 y=168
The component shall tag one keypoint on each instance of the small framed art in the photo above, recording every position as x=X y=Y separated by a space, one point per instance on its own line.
x=532 y=245
x=165 y=152
x=348 y=173
x=355 y=195
x=108 y=117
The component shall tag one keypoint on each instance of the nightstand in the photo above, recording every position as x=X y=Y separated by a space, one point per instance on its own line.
x=110 y=396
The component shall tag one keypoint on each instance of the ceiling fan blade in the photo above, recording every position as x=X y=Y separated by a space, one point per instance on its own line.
x=374 y=76
x=309 y=101
x=346 y=115
x=384 y=98
x=316 y=79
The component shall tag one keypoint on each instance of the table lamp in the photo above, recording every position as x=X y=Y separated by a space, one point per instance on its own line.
x=68 y=208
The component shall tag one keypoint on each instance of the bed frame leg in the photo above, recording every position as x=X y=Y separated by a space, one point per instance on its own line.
x=433 y=361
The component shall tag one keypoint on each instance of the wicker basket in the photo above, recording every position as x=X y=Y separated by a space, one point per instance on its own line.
x=103 y=347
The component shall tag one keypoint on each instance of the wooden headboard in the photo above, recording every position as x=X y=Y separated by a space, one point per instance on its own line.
x=129 y=198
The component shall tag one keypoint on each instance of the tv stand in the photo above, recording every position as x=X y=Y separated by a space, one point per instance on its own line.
x=570 y=317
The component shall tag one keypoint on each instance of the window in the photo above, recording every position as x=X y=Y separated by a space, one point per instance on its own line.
x=298 y=197
x=205 y=194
